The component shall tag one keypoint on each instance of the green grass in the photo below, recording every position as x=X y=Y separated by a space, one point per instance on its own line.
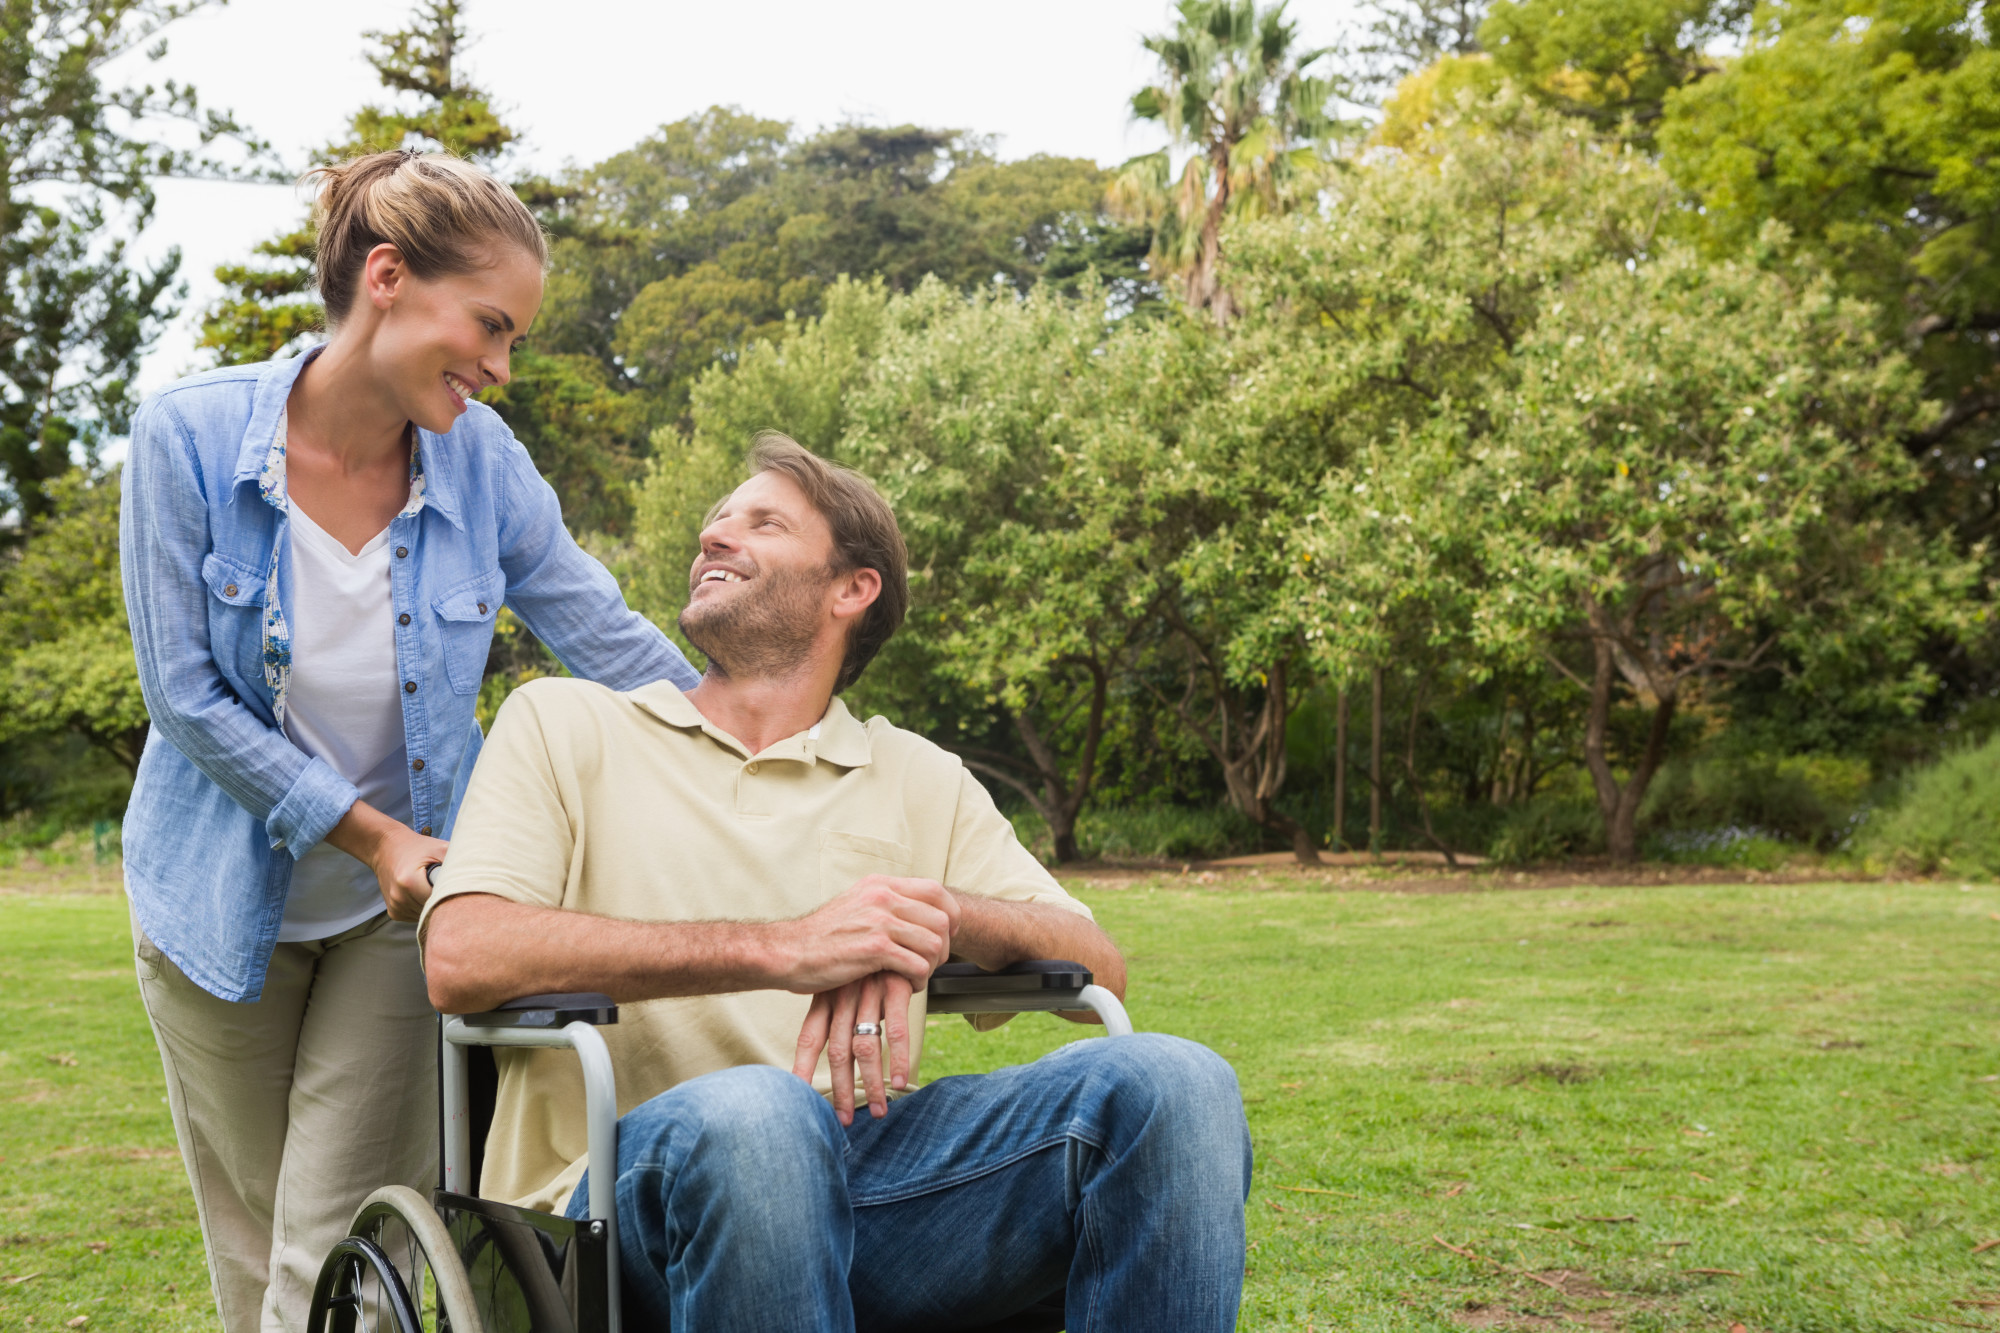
x=1790 y=1083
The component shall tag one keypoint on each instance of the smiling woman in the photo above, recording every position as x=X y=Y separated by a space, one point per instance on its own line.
x=314 y=551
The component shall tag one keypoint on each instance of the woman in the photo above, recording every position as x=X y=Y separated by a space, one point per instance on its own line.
x=314 y=551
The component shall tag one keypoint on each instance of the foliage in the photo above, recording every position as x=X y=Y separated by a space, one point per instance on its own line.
x=1946 y=818
x=1805 y=799
x=1610 y=60
x=1549 y=828
x=1235 y=96
x=1609 y=488
x=75 y=161
x=65 y=649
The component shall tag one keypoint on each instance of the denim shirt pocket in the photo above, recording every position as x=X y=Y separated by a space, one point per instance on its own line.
x=235 y=617
x=465 y=624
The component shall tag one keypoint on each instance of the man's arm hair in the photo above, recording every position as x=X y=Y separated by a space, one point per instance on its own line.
x=994 y=932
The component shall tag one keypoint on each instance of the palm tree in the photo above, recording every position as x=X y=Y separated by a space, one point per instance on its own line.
x=1237 y=99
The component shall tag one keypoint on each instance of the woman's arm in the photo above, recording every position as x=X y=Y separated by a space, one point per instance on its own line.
x=163 y=538
x=569 y=600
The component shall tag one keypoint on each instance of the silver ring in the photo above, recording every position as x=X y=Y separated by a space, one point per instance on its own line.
x=867 y=1029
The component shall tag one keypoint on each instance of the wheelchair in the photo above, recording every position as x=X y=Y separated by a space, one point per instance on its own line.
x=457 y=1263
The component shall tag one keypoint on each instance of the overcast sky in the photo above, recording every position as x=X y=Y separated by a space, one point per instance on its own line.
x=583 y=79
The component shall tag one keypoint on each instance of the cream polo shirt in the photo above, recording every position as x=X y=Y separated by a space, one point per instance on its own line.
x=633 y=806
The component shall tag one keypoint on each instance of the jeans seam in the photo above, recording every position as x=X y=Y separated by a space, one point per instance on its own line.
x=987 y=1169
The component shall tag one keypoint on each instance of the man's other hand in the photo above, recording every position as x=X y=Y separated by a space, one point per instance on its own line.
x=883 y=1000
x=882 y=924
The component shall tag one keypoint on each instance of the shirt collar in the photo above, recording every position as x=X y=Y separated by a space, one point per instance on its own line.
x=274 y=391
x=837 y=738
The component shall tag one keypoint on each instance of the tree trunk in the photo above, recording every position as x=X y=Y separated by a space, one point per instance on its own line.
x=1375 y=765
x=1339 y=838
x=1057 y=797
x=1619 y=804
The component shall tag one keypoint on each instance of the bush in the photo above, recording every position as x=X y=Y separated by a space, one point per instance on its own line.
x=1804 y=799
x=1946 y=818
x=1751 y=848
x=1549 y=828
x=1149 y=833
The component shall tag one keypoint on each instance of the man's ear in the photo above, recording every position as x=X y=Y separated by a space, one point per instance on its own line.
x=854 y=592
x=383 y=274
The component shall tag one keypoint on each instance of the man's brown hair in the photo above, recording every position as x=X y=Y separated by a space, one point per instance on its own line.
x=865 y=536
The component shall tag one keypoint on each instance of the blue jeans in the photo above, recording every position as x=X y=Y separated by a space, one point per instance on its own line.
x=1105 y=1181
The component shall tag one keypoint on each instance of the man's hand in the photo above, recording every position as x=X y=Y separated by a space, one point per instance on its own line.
x=882 y=999
x=882 y=924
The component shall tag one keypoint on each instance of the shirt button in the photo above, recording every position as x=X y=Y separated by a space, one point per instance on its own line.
x=403 y=619
x=482 y=608
x=229 y=590
x=409 y=687
x=417 y=764
x=425 y=830
x=752 y=770
x=402 y=551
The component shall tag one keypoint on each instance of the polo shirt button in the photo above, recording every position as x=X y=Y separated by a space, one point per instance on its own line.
x=409 y=687
x=417 y=764
x=403 y=619
x=425 y=830
x=752 y=770
x=402 y=551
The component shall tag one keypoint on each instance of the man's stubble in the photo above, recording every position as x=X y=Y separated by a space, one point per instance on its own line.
x=762 y=635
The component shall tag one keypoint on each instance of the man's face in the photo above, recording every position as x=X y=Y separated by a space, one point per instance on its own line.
x=762 y=586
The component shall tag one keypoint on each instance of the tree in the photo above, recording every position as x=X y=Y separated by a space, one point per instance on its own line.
x=270 y=309
x=1616 y=492
x=1611 y=60
x=75 y=158
x=1405 y=36
x=65 y=649
x=1235 y=97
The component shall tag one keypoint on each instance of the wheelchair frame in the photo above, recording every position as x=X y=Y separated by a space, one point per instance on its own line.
x=580 y=1259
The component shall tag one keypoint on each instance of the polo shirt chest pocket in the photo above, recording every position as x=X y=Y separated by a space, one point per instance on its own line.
x=845 y=858
x=465 y=623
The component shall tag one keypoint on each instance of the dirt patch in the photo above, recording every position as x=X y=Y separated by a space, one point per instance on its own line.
x=1560 y=1298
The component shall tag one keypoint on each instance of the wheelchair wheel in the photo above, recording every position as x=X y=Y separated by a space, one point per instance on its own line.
x=397 y=1272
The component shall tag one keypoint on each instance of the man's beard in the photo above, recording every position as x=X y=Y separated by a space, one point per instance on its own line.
x=764 y=632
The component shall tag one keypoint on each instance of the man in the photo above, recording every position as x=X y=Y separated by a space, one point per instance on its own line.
x=710 y=859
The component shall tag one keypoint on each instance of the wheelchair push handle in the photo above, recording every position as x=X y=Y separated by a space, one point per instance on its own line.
x=548 y=1011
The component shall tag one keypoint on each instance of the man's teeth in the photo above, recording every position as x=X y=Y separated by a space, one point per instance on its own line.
x=721 y=575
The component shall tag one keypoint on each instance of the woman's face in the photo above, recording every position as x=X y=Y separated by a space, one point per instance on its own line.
x=435 y=342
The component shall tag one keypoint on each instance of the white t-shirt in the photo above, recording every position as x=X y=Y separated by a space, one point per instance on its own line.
x=345 y=706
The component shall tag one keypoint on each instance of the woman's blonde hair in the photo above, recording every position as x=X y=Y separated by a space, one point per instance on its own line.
x=443 y=213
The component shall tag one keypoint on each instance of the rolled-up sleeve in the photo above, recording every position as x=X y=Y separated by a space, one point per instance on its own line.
x=569 y=600
x=163 y=537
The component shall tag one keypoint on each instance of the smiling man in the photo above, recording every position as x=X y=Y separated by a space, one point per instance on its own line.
x=767 y=882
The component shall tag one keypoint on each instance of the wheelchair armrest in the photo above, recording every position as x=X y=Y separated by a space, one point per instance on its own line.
x=1036 y=985
x=548 y=1011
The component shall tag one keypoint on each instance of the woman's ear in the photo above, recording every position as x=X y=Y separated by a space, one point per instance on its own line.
x=855 y=591
x=383 y=274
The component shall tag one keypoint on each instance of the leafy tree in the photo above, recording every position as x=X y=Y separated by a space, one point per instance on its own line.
x=270 y=308
x=75 y=158
x=1616 y=491
x=65 y=649
x=1235 y=96
x=1404 y=36
x=1611 y=60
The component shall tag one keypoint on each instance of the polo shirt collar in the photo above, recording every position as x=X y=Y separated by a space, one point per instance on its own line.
x=837 y=738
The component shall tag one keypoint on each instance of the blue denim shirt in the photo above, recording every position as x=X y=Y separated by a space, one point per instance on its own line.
x=224 y=803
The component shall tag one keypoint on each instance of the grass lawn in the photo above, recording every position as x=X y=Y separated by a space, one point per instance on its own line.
x=1773 y=1105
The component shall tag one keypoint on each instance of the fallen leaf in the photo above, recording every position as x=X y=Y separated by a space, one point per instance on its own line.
x=1979 y=1305
x=25 y=1277
x=66 y=1059
x=1518 y=1272
x=78 y=1322
x=1713 y=1272
x=1308 y=1189
x=1627 y=1217
x=1457 y=1189
x=1985 y=1245
x=1738 y=1328
x=1709 y=1180
x=99 y=1246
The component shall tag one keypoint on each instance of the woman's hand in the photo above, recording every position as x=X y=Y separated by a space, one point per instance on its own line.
x=401 y=857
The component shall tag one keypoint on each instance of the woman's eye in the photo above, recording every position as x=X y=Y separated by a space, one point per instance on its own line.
x=491 y=327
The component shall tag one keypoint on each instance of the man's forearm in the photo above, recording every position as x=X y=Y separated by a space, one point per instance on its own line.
x=481 y=951
x=993 y=933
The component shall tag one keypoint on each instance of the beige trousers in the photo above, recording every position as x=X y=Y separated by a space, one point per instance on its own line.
x=293 y=1109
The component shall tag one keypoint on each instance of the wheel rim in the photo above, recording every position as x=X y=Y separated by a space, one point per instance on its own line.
x=397 y=1272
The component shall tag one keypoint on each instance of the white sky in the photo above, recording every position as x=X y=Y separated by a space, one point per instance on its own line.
x=585 y=78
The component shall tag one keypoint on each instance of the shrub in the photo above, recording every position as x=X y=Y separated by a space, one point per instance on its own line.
x=1549 y=828
x=1752 y=848
x=1805 y=799
x=1947 y=817
x=1149 y=833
